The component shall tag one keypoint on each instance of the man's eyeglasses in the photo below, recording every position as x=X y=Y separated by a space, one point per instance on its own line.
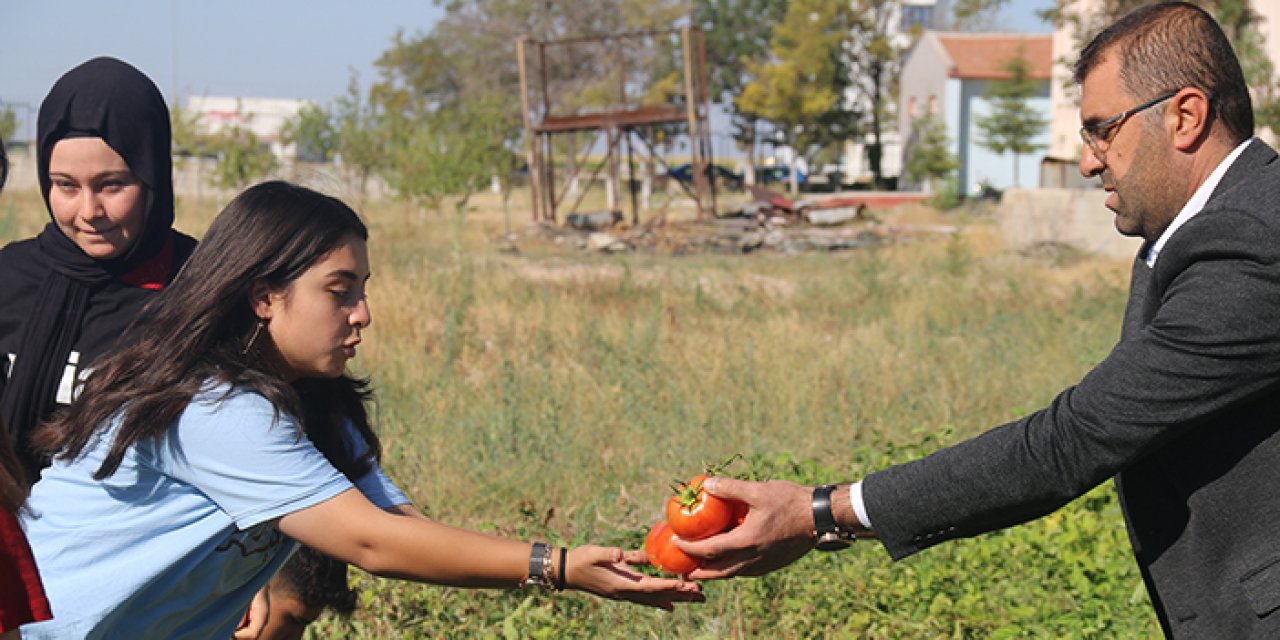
x=1098 y=135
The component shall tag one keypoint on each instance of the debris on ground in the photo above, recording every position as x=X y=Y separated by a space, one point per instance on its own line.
x=594 y=221
x=734 y=235
x=770 y=221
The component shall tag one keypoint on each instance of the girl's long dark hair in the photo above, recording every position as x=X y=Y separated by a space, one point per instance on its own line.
x=196 y=331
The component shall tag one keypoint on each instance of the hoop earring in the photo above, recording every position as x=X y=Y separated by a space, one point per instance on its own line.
x=253 y=339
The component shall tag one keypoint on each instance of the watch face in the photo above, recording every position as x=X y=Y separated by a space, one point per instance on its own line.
x=831 y=542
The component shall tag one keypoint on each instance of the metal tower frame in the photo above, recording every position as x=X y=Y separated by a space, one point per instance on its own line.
x=621 y=123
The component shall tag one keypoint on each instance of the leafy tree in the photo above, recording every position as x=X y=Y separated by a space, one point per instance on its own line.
x=444 y=138
x=1012 y=124
x=241 y=159
x=185 y=124
x=8 y=123
x=452 y=151
x=187 y=140
x=313 y=131
x=1243 y=27
x=476 y=37
x=802 y=89
x=975 y=15
x=737 y=36
x=929 y=158
x=359 y=136
x=467 y=62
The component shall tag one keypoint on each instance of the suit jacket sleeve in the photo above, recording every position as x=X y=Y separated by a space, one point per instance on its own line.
x=1207 y=341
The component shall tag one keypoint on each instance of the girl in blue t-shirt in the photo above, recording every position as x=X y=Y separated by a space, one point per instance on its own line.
x=194 y=459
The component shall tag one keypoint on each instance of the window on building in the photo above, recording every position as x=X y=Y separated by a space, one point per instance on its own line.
x=916 y=16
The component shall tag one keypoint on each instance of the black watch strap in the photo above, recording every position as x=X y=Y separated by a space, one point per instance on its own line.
x=828 y=533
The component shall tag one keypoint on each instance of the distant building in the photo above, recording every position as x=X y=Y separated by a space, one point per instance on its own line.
x=923 y=15
x=948 y=74
x=263 y=116
x=914 y=16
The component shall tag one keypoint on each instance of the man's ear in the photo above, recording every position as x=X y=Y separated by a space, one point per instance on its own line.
x=261 y=299
x=1191 y=106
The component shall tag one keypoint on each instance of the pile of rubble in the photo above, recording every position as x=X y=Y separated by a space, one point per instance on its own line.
x=769 y=222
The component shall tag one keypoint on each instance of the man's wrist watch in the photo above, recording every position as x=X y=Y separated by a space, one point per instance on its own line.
x=829 y=534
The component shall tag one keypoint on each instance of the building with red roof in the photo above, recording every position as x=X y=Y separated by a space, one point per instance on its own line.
x=947 y=76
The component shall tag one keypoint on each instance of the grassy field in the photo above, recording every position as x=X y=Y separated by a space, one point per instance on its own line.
x=555 y=393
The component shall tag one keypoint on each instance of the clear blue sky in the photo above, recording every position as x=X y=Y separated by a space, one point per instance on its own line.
x=261 y=48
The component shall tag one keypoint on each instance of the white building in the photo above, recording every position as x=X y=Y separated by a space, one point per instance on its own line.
x=263 y=116
x=947 y=75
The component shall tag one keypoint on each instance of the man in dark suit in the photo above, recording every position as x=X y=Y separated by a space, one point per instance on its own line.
x=1184 y=412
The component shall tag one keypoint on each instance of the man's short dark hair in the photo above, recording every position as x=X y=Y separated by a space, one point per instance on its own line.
x=1167 y=46
x=317 y=580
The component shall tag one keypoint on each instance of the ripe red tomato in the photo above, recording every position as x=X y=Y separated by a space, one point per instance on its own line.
x=695 y=514
x=663 y=553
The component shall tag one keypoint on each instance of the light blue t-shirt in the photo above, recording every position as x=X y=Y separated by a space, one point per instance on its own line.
x=176 y=542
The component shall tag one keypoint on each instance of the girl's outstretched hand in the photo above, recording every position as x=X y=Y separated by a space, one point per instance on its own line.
x=605 y=571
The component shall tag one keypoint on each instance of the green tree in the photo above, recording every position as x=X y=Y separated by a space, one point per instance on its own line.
x=1242 y=24
x=1012 y=126
x=467 y=63
x=801 y=90
x=185 y=124
x=359 y=137
x=241 y=158
x=444 y=138
x=469 y=55
x=476 y=38
x=975 y=15
x=312 y=130
x=451 y=151
x=737 y=37
x=929 y=158
x=8 y=123
x=188 y=142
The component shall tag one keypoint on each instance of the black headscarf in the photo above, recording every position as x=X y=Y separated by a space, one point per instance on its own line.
x=109 y=99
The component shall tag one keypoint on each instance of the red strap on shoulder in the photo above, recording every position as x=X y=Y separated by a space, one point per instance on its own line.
x=154 y=273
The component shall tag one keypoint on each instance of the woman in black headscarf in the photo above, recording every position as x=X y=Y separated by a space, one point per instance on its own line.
x=106 y=173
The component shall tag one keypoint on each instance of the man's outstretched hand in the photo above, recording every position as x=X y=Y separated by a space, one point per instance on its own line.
x=778 y=530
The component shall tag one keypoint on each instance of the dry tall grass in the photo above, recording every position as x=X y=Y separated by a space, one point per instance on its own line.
x=536 y=380
x=557 y=393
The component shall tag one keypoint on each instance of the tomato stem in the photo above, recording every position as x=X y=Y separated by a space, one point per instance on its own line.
x=686 y=494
